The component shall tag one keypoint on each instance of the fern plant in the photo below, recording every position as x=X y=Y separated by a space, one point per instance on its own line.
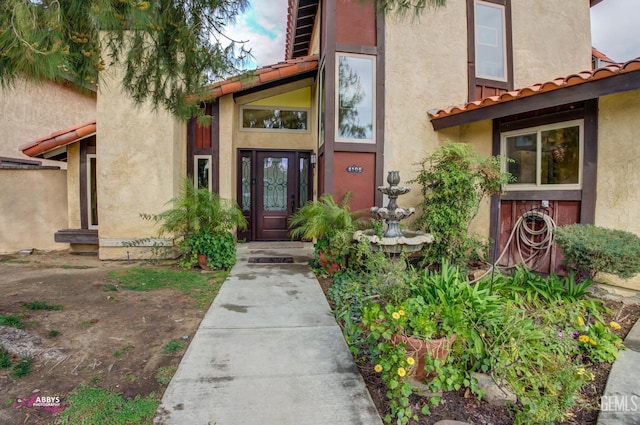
x=201 y=222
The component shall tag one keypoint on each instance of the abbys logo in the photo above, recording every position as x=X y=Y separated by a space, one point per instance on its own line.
x=42 y=401
x=51 y=404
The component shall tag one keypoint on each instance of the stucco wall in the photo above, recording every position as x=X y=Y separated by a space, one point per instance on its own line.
x=73 y=185
x=141 y=160
x=618 y=152
x=426 y=68
x=551 y=39
x=34 y=207
x=31 y=110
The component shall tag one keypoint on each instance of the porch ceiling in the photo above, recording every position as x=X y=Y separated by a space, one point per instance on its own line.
x=60 y=138
x=591 y=84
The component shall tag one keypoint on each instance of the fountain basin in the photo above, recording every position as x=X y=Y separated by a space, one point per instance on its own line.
x=408 y=242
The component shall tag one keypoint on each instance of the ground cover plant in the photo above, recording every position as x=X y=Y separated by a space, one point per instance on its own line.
x=111 y=338
x=544 y=339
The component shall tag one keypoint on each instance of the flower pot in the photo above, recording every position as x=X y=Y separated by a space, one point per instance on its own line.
x=329 y=265
x=420 y=347
x=202 y=262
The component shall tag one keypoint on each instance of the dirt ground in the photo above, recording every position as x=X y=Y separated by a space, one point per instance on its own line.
x=112 y=339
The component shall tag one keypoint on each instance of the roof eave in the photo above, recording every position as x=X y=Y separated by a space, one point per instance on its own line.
x=561 y=96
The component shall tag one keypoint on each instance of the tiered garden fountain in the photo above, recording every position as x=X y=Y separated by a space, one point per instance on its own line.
x=394 y=240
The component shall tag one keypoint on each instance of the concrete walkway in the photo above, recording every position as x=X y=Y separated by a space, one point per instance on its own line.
x=267 y=352
x=620 y=404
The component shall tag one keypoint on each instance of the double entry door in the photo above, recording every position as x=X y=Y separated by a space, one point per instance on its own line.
x=272 y=185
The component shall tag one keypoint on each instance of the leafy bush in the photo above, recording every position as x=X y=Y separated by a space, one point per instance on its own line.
x=200 y=221
x=219 y=248
x=454 y=181
x=596 y=249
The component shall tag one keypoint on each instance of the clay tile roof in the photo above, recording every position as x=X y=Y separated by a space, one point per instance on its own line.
x=59 y=138
x=267 y=74
x=561 y=83
x=598 y=54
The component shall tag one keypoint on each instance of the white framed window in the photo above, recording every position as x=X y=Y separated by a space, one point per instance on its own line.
x=272 y=118
x=547 y=157
x=202 y=176
x=92 y=192
x=490 y=41
x=356 y=99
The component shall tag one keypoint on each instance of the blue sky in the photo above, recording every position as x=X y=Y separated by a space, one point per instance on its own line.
x=615 y=28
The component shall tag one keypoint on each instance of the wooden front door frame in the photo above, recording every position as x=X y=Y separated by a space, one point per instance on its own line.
x=251 y=213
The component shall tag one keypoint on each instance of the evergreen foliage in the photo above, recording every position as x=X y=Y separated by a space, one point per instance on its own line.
x=169 y=49
x=594 y=249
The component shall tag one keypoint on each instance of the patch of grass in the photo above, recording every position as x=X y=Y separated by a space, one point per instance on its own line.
x=122 y=350
x=21 y=368
x=88 y=323
x=15 y=261
x=203 y=288
x=172 y=346
x=109 y=287
x=5 y=359
x=53 y=333
x=97 y=406
x=41 y=305
x=165 y=373
x=68 y=266
x=10 y=320
x=95 y=379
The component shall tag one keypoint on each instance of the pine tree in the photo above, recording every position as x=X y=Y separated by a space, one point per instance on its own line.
x=169 y=49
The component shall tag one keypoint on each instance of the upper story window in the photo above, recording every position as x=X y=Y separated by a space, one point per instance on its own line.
x=267 y=118
x=545 y=157
x=490 y=37
x=355 y=98
x=490 y=56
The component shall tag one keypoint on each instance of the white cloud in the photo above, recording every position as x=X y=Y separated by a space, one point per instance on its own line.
x=615 y=29
x=263 y=26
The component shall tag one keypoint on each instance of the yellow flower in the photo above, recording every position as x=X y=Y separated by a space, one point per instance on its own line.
x=592 y=341
x=582 y=371
x=401 y=371
x=482 y=335
x=410 y=361
x=580 y=321
x=378 y=368
x=395 y=315
x=614 y=325
x=401 y=312
x=583 y=338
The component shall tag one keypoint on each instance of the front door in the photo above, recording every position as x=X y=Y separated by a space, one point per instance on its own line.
x=272 y=185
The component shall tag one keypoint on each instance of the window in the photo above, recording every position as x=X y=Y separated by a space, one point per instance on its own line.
x=546 y=157
x=490 y=41
x=92 y=192
x=202 y=175
x=356 y=98
x=274 y=118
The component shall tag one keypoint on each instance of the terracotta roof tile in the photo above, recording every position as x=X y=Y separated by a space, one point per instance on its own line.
x=556 y=84
x=58 y=138
x=598 y=54
x=267 y=74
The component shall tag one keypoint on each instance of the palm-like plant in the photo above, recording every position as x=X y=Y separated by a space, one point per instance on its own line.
x=317 y=219
x=198 y=210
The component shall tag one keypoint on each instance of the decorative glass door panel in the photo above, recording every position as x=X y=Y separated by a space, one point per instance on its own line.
x=275 y=181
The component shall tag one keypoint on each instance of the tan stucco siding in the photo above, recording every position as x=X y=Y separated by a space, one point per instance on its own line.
x=31 y=110
x=140 y=165
x=618 y=187
x=550 y=39
x=73 y=185
x=34 y=208
x=415 y=82
x=227 y=162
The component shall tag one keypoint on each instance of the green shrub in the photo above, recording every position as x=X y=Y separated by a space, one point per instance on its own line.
x=10 y=320
x=454 y=181
x=219 y=248
x=596 y=249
